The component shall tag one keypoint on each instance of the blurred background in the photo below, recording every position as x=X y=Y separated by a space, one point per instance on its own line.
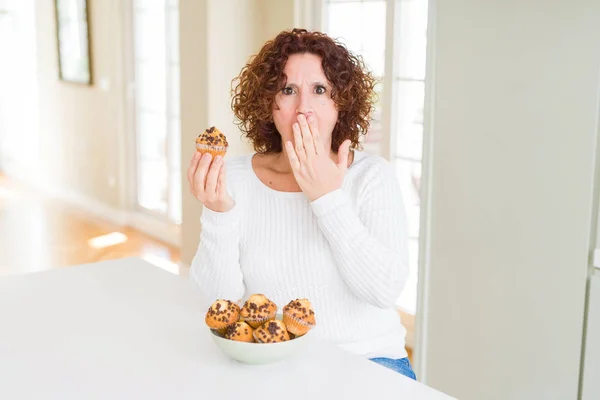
x=487 y=109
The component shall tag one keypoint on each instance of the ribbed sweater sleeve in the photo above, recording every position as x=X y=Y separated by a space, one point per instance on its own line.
x=369 y=244
x=216 y=266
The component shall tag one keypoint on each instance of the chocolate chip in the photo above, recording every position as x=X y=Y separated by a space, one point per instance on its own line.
x=230 y=330
x=273 y=328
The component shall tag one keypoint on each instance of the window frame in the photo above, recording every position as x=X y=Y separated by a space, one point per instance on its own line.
x=389 y=120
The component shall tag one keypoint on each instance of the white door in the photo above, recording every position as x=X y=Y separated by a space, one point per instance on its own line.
x=512 y=183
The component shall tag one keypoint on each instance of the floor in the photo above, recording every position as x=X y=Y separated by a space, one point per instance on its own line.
x=38 y=233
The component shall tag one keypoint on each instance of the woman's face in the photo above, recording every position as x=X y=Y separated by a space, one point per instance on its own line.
x=307 y=92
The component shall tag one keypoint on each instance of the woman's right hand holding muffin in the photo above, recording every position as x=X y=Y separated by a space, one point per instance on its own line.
x=206 y=178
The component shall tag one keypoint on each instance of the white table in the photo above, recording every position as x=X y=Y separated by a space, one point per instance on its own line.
x=126 y=329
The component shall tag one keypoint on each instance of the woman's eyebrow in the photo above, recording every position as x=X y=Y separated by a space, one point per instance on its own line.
x=314 y=83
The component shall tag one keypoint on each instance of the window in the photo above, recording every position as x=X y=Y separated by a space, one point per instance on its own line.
x=157 y=114
x=341 y=19
x=19 y=132
x=393 y=44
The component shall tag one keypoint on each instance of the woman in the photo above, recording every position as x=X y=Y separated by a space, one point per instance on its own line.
x=307 y=216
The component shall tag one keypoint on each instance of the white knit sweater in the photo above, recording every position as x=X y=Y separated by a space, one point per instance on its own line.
x=346 y=252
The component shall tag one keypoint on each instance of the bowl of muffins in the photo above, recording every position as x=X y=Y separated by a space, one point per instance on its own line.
x=256 y=333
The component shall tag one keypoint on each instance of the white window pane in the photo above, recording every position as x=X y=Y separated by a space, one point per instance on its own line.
x=342 y=23
x=413 y=39
x=143 y=5
x=152 y=185
x=408 y=299
x=409 y=141
x=409 y=178
x=344 y=17
x=174 y=91
x=173 y=35
x=174 y=147
x=151 y=86
x=373 y=38
x=149 y=31
x=152 y=135
x=351 y=1
x=174 y=144
x=175 y=196
x=413 y=213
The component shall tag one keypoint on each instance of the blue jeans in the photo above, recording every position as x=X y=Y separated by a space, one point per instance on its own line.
x=401 y=365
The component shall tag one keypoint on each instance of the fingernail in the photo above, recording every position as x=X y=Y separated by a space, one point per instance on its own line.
x=311 y=119
x=218 y=159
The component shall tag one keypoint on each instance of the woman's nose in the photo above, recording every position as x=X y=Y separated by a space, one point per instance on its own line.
x=304 y=105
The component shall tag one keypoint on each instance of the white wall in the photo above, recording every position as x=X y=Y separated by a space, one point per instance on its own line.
x=275 y=16
x=228 y=51
x=515 y=107
x=80 y=126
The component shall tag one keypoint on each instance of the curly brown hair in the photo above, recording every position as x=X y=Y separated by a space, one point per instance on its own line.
x=263 y=77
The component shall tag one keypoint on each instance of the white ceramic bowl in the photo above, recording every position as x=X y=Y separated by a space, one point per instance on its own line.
x=259 y=353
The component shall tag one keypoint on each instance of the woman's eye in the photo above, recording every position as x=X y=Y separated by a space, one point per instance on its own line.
x=320 y=90
x=287 y=91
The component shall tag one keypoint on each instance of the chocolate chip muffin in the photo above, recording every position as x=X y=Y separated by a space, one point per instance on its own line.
x=240 y=332
x=299 y=317
x=272 y=332
x=257 y=310
x=212 y=141
x=221 y=314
